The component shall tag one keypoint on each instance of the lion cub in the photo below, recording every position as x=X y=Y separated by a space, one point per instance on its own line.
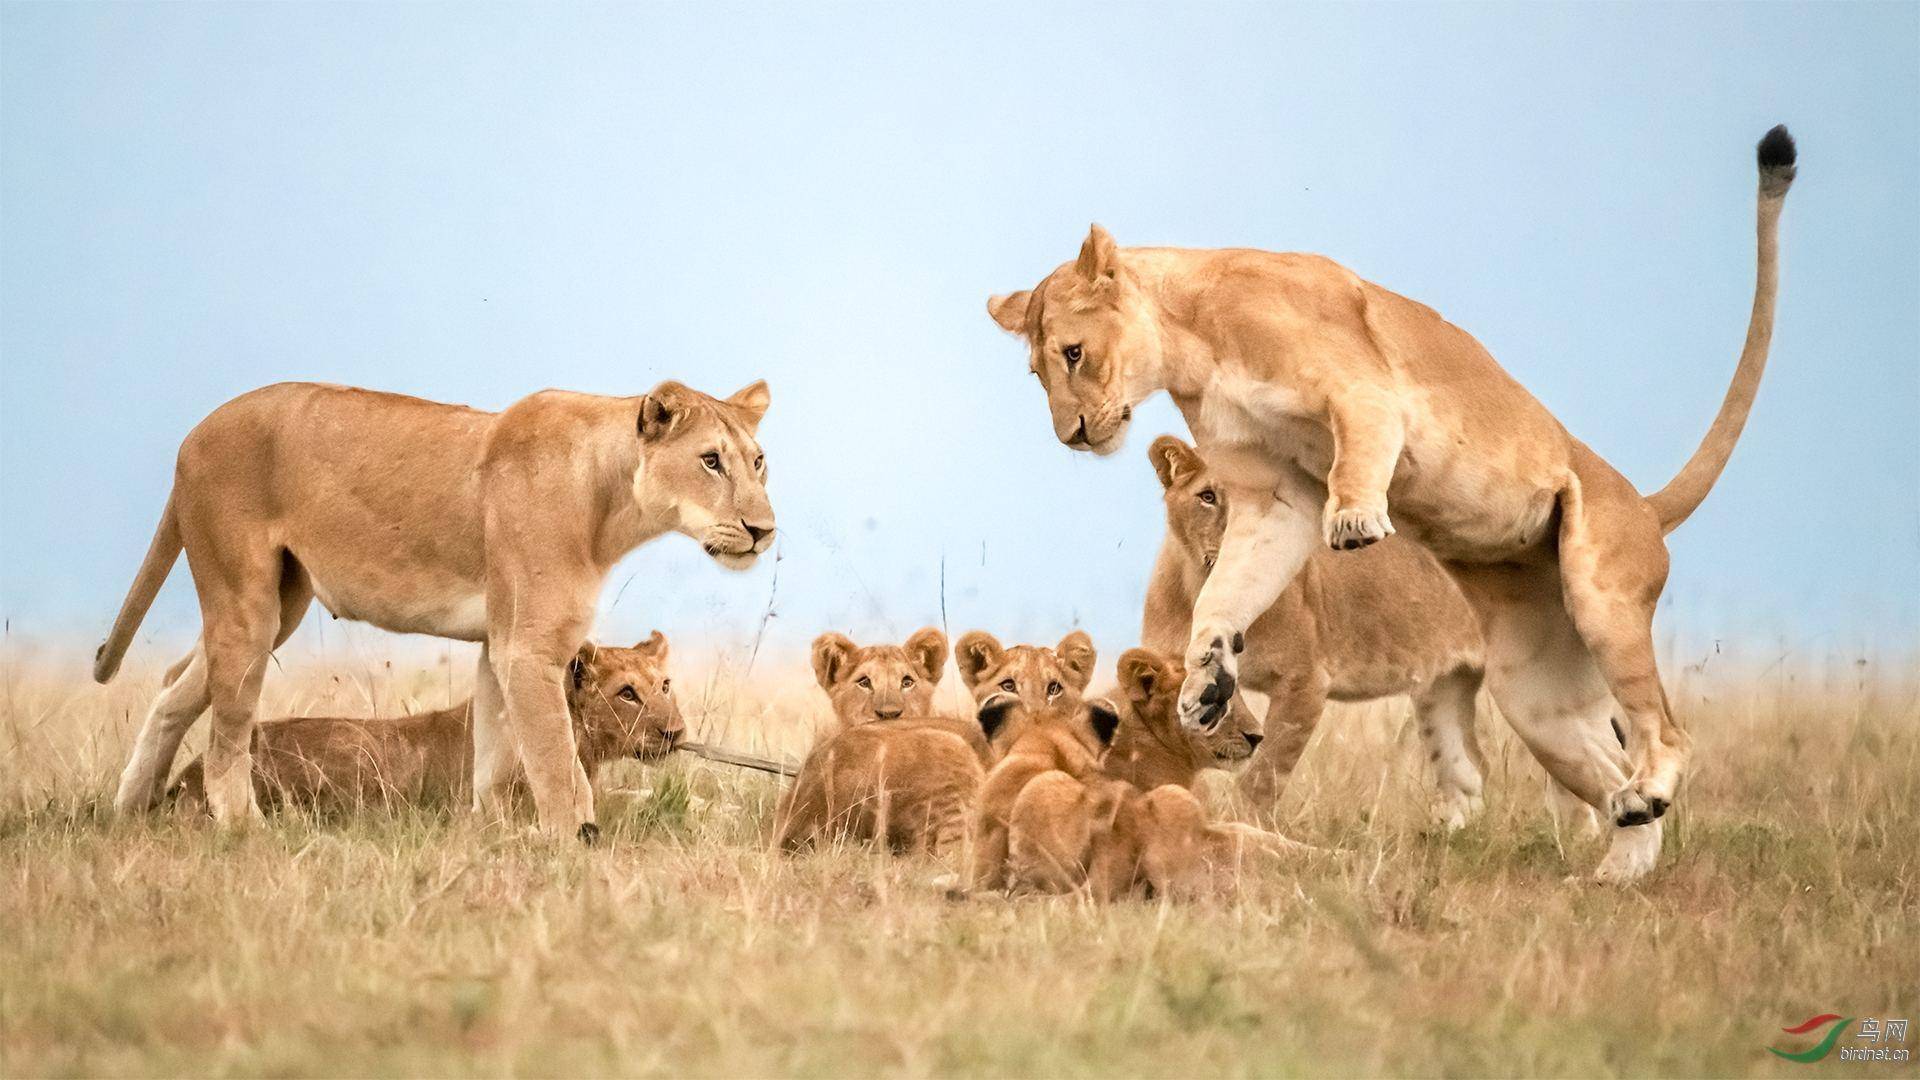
x=896 y=772
x=1099 y=798
x=621 y=701
x=891 y=771
x=1354 y=626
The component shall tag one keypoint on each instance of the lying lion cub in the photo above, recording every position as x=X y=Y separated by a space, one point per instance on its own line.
x=1057 y=814
x=1354 y=626
x=892 y=771
x=621 y=701
x=895 y=772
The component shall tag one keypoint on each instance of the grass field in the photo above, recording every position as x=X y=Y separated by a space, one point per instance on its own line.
x=423 y=944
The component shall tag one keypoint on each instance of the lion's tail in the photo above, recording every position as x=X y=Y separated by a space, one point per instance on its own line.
x=1688 y=489
x=146 y=584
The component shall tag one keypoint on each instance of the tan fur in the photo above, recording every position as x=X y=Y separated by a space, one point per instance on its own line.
x=1380 y=622
x=438 y=519
x=1320 y=399
x=1037 y=675
x=880 y=682
x=893 y=771
x=1128 y=824
x=620 y=701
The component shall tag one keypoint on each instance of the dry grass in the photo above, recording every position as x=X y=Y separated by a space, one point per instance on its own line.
x=421 y=944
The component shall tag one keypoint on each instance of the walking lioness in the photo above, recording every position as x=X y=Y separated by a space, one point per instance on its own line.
x=620 y=700
x=436 y=519
x=1322 y=400
x=1354 y=626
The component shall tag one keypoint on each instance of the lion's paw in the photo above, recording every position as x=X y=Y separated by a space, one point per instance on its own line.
x=1640 y=802
x=1211 y=681
x=1347 y=529
x=1632 y=856
x=1453 y=810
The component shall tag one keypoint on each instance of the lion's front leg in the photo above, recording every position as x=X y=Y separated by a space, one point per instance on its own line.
x=1268 y=538
x=529 y=659
x=1368 y=433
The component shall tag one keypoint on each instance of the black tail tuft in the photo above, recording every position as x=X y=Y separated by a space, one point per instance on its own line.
x=1776 y=149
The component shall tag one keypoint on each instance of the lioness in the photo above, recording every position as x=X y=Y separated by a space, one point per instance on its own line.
x=436 y=519
x=1321 y=399
x=1380 y=622
x=1131 y=824
x=621 y=702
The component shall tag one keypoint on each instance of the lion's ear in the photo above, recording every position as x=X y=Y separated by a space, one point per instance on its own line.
x=1077 y=656
x=655 y=646
x=1104 y=719
x=977 y=651
x=660 y=409
x=752 y=401
x=1010 y=311
x=832 y=655
x=1173 y=460
x=577 y=667
x=927 y=651
x=1143 y=673
x=1099 y=258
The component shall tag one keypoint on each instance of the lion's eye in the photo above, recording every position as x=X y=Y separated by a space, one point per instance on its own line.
x=1209 y=497
x=906 y=682
x=759 y=462
x=1053 y=690
x=864 y=683
x=1008 y=685
x=1072 y=355
x=711 y=460
x=666 y=686
x=627 y=694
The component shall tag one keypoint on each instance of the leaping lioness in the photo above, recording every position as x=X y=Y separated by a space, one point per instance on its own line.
x=1323 y=399
x=426 y=518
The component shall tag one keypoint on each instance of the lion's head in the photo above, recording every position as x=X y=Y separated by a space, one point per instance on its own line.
x=622 y=701
x=702 y=470
x=880 y=682
x=1196 y=505
x=1092 y=339
x=1037 y=675
x=1151 y=747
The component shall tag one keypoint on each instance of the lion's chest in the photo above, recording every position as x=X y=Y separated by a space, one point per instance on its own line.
x=1254 y=425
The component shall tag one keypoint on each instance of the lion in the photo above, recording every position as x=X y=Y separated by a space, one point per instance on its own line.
x=1036 y=675
x=1382 y=621
x=420 y=517
x=892 y=770
x=1321 y=399
x=880 y=682
x=1132 y=825
x=621 y=702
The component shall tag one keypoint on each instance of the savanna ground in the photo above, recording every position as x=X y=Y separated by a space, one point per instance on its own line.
x=421 y=943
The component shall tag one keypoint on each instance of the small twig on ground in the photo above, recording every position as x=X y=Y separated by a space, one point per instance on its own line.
x=734 y=757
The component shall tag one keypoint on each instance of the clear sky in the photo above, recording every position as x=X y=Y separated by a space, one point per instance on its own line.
x=472 y=203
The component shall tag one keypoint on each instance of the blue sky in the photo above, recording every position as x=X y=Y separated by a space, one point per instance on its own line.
x=470 y=204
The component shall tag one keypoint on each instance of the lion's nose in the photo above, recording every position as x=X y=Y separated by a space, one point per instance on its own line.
x=888 y=712
x=1253 y=739
x=756 y=532
x=1079 y=436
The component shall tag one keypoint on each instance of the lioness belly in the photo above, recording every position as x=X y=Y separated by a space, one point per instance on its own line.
x=424 y=603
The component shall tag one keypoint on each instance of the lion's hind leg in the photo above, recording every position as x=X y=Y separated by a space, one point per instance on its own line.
x=1552 y=693
x=1613 y=565
x=180 y=704
x=1444 y=711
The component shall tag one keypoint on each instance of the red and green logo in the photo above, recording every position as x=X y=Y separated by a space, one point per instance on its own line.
x=1820 y=1049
